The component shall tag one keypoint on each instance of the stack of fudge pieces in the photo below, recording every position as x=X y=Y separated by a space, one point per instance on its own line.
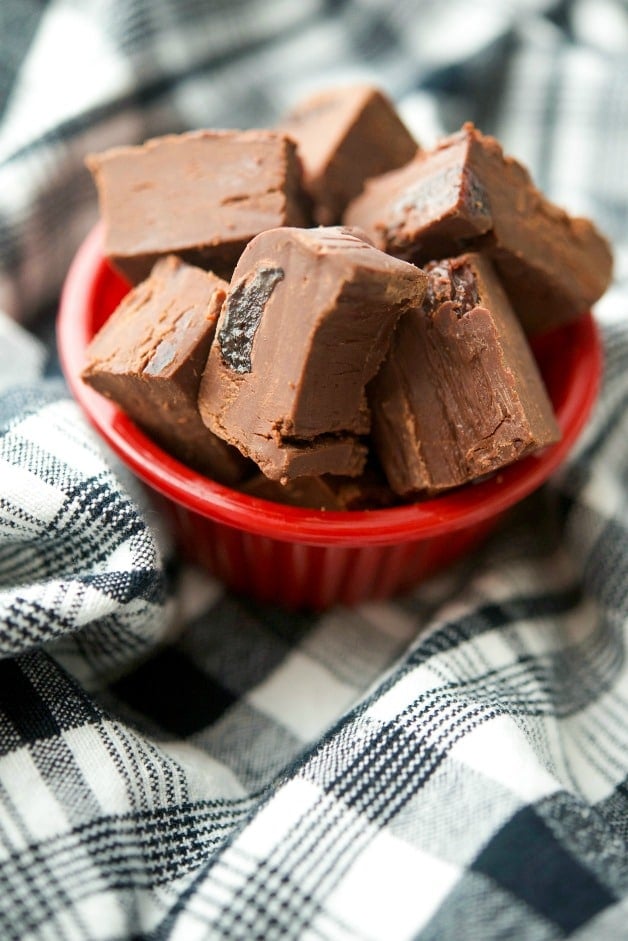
x=328 y=315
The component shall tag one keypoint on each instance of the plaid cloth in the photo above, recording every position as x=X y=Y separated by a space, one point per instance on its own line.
x=179 y=763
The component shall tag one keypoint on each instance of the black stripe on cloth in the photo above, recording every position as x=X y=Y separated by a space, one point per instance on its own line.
x=390 y=765
x=96 y=499
x=94 y=519
x=366 y=785
x=278 y=906
x=133 y=850
x=171 y=691
x=591 y=835
x=124 y=854
x=27 y=624
x=38 y=899
x=375 y=803
x=606 y=429
x=71 y=704
x=22 y=703
x=527 y=860
x=19 y=19
x=123 y=586
x=19 y=402
x=58 y=767
x=370 y=33
x=551 y=676
x=60 y=557
x=614 y=810
x=385 y=773
x=114 y=639
x=40 y=701
x=607 y=566
x=491 y=616
x=479 y=909
x=134 y=27
x=241 y=643
x=611 y=409
x=252 y=744
x=289 y=626
x=165 y=929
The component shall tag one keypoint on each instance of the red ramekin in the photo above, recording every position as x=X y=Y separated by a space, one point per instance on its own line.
x=301 y=558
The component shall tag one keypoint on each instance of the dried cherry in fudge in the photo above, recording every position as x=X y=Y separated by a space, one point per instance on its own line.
x=201 y=195
x=467 y=195
x=344 y=136
x=149 y=357
x=459 y=394
x=306 y=324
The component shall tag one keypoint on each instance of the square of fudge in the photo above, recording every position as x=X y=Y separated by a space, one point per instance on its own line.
x=307 y=321
x=467 y=195
x=369 y=491
x=429 y=208
x=459 y=394
x=148 y=358
x=201 y=195
x=344 y=136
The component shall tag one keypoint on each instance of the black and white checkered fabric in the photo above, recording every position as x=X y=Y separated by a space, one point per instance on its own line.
x=176 y=763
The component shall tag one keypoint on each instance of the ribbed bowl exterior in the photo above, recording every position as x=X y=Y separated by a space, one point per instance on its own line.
x=299 y=576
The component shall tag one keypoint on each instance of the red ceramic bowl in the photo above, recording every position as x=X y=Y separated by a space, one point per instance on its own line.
x=304 y=558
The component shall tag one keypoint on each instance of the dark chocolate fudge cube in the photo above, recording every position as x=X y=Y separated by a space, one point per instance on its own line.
x=201 y=195
x=466 y=195
x=344 y=136
x=306 y=324
x=434 y=204
x=459 y=394
x=149 y=357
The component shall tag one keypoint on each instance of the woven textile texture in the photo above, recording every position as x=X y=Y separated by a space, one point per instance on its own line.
x=179 y=763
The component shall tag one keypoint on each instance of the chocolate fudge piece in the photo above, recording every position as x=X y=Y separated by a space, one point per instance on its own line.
x=459 y=394
x=328 y=492
x=313 y=493
x=149 y=357
x=201 y=195
x=344 y=136
x=306 y=324
x=466 y=195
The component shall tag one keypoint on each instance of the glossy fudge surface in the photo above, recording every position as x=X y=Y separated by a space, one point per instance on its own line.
x=201 y=195
x=307 y=321
x=344 y=136
x=149 y=357
x=467 y=195
x=459 y=394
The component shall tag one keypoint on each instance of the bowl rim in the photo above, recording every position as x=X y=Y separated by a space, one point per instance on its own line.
x=447 y=513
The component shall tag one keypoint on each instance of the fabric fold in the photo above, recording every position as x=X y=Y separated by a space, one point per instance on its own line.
x=178 y=762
